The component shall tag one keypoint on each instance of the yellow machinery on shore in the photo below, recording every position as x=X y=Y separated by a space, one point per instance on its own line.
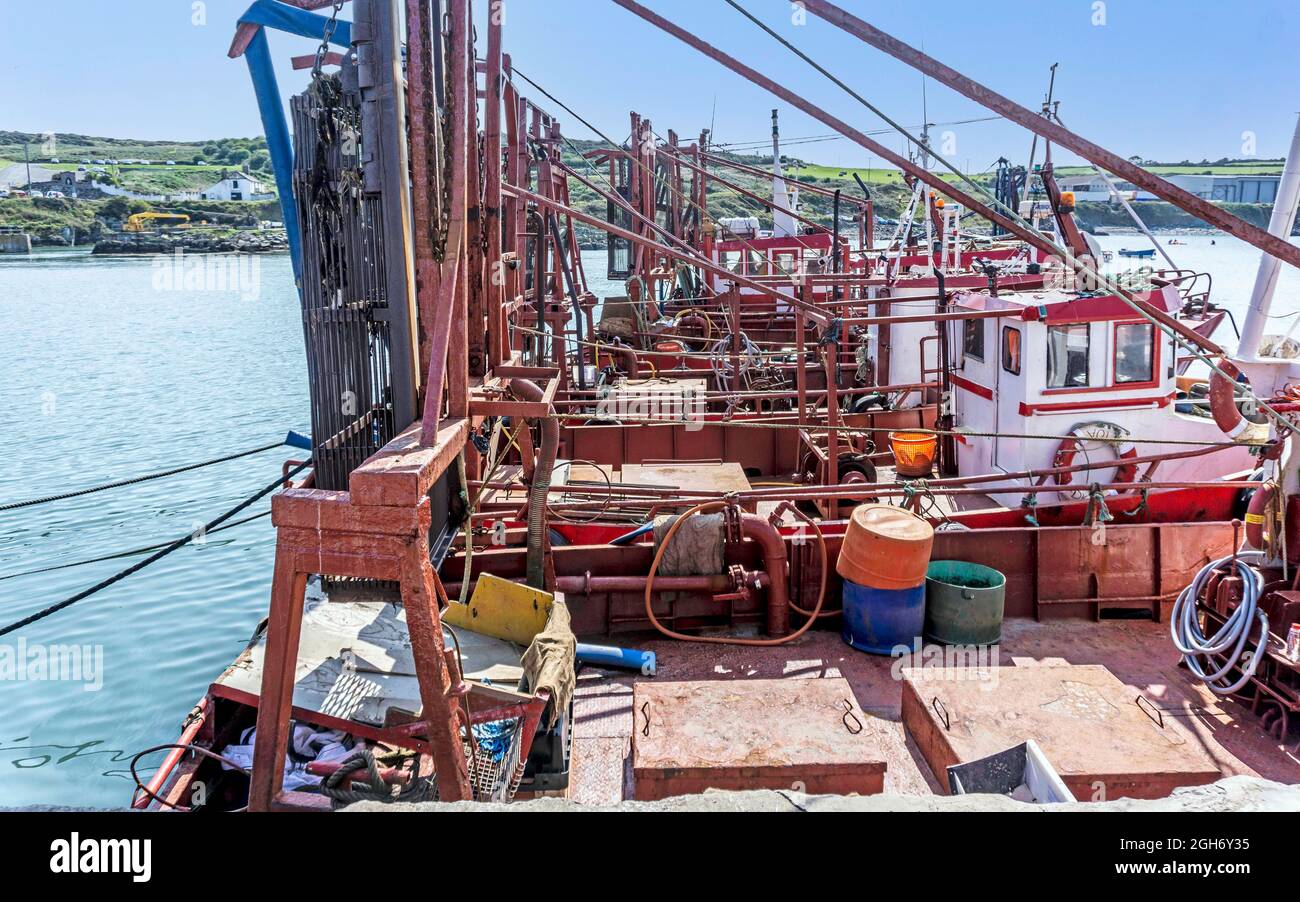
x=140 y=222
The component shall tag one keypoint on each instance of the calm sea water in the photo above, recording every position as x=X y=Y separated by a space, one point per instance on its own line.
x=111 y=372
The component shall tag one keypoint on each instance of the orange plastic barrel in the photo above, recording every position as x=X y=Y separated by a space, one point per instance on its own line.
x=913 y=452
x=885 y=548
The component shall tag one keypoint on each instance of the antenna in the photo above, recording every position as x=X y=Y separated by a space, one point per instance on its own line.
x=1033 y=146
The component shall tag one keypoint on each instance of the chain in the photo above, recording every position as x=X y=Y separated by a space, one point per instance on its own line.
x=432 y=128
x=328 y=35
x=443 y=227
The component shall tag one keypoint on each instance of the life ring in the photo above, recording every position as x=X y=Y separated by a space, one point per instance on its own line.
x=1098 y=431
x=1223 y=399
x=1257 y=516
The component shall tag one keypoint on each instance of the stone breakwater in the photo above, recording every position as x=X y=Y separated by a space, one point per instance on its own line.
x=268 y=242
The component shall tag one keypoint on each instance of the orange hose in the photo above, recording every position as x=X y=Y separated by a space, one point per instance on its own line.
x=709 y=507
x=817 y=612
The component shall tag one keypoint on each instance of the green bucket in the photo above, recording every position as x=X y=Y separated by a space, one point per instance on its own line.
x=963 y=603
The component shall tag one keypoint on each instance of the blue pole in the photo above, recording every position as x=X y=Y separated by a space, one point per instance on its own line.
x=278 y=140
x=612 y=656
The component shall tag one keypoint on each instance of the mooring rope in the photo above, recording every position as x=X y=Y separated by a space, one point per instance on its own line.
x=157 y=556
x=32 y=502
x=132 y=553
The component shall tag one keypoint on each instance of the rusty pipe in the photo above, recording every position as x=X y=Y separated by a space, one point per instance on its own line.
x=624 y=355
x=760 y=531
x=541 y=484
x=600 y=585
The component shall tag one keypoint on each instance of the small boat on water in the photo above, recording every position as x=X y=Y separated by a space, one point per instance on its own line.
x=1142 y=253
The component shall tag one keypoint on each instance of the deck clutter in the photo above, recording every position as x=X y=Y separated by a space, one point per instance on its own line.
x=938 y=446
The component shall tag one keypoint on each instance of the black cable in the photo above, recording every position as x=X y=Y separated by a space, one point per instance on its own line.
x=14 y=505
x=179 y=543
x=132 y=553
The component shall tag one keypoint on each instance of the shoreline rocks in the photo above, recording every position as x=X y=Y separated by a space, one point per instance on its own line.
x=268 y=242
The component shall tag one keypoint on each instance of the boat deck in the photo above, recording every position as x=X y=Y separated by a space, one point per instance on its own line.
x=1138 y=653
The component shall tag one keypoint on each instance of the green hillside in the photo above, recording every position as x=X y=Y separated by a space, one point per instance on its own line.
x=197 y=163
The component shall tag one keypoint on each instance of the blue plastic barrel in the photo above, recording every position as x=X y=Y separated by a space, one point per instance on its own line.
x=878 y=620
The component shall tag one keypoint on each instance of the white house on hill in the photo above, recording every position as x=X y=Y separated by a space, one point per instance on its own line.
x=236 y=186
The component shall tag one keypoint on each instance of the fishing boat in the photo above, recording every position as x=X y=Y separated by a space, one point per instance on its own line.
x=1141 y=253
x=760 y=455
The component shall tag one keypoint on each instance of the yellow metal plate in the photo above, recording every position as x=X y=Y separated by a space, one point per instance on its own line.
x=502 y=609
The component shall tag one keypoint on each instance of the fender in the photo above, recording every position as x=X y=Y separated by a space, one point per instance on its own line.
x=1257 y=517
x=1223 y=400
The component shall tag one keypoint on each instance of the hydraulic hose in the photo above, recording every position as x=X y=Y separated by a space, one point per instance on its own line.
x=710 y=507
x=1199 y=651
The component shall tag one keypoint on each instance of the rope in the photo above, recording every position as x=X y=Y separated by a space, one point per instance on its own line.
x=32 y=502
x=1146 y=494
x=1097 y=511
x=1029 y=503
x=131 y=553
x=157 y=556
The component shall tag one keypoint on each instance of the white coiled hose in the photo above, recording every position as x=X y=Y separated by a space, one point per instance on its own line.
x=1230 y=640
x=750 y=356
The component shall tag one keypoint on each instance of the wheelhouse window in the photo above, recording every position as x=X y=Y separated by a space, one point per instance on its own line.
x=1067 y=356
x=1134 y=353
x=733 y=261
x=1011 y=350
x=785 y=263
x=973 y=339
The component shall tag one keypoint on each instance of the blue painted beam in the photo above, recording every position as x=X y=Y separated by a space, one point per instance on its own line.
x=275 y=124
x=292 y=20
x=278 y=140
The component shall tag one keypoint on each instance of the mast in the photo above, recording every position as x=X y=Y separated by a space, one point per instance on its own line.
x=782 y=221
x=1284 y=213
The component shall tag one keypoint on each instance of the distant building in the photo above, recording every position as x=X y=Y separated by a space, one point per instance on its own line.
x=1086 y=187
x=236 y=186
x=1234 y=189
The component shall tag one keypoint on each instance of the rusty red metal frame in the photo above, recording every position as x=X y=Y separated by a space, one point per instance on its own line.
x=812 y=311
x=1027 y=235
x=447 y=368
x=1053 y=131
x=379 y=530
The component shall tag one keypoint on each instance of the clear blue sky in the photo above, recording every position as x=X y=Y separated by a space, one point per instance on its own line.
x=1167 y=79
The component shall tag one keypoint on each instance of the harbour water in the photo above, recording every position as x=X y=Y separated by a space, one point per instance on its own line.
x=114 y=369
